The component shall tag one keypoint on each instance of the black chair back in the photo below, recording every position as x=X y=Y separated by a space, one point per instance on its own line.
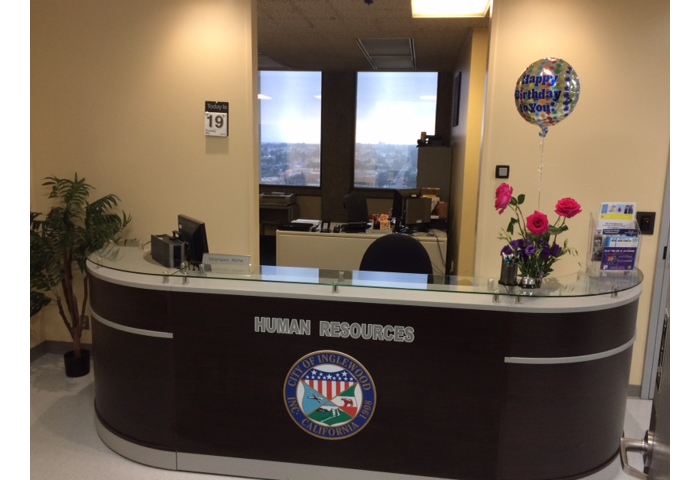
x=398 y=253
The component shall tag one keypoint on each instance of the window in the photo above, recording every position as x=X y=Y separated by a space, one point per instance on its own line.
x=290 y=128
x=393 y=108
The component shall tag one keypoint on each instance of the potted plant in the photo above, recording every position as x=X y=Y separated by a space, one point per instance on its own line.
x=60 y=244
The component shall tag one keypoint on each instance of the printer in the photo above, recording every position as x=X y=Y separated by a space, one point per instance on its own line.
x=277 y=199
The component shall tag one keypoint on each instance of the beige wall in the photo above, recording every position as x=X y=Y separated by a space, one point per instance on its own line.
x=615 y=145
x=117 y=95
x=466 y=143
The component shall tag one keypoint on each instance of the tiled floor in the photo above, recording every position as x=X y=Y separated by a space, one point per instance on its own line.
x=65 y=445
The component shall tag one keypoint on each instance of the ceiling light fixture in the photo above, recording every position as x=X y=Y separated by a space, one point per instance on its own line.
x=450 y=8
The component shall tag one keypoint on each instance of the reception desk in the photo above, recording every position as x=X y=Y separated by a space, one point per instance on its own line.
x=344 y=251
x=309 y=374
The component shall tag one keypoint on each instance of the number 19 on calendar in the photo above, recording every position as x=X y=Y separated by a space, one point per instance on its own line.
x=216 y=119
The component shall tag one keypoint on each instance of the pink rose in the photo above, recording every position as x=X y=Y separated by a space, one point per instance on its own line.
x=503 y=195
x=567 y=208
x=537 y=223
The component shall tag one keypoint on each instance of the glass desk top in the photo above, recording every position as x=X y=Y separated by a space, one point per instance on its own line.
x=135 y=259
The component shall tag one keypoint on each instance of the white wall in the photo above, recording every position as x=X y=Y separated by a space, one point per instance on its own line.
x=117 y=95
x=614 y=146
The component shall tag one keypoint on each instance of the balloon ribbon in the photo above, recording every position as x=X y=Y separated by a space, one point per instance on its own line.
x=540 y=170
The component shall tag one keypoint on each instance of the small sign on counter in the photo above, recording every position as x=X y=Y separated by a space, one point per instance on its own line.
x=217 y=263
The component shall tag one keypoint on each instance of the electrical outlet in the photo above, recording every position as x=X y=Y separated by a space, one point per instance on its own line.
x=85 y=320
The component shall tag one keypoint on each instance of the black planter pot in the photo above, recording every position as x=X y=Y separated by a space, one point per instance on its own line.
x=77 y=367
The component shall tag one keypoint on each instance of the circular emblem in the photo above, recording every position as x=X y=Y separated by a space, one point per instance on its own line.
x=330 y=395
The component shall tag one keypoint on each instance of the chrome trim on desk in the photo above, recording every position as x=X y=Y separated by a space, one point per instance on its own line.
x=135 y=331
x=215 y=465
x=576 y=359
x=137 y=453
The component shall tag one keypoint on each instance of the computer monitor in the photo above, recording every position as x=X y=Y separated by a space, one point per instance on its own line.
x=356 y=208
x=410 y=211
x=194 y=234
x=417 y=212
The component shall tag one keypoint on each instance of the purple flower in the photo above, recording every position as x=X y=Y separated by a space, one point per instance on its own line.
x=530 y=249
x=507 y=250
x=517 y=244
x=555 y=250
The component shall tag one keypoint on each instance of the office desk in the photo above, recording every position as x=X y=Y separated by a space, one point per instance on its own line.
x=344 y=251
x=463 y=379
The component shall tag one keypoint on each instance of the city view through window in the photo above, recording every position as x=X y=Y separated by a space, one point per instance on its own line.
x=392 y=110
x=290 y=128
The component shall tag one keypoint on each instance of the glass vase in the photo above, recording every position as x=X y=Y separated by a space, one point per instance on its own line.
x=530 y=282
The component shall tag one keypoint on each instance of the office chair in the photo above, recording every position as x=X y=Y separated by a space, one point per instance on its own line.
x=356 y=208
x=398 y=253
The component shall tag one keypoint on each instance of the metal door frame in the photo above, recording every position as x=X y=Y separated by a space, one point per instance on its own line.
x=660 y=297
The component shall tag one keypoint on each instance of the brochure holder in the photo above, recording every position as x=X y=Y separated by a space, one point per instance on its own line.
x=613 y=249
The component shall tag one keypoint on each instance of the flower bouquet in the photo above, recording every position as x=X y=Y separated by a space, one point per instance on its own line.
x=535 y=249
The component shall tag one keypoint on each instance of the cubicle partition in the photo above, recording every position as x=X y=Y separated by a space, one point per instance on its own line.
x=309 y=374
x=344 y=251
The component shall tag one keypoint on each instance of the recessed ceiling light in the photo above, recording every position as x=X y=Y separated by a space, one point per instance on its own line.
x=449 y=8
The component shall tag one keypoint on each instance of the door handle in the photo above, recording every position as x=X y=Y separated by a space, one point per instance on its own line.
x=640 y=446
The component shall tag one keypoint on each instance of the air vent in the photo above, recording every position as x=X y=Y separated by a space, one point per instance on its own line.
x=389 y=53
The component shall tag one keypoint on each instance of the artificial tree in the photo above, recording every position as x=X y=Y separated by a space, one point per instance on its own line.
x=61 y=242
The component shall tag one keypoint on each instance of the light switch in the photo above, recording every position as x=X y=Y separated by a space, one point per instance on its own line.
x=502 y=171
